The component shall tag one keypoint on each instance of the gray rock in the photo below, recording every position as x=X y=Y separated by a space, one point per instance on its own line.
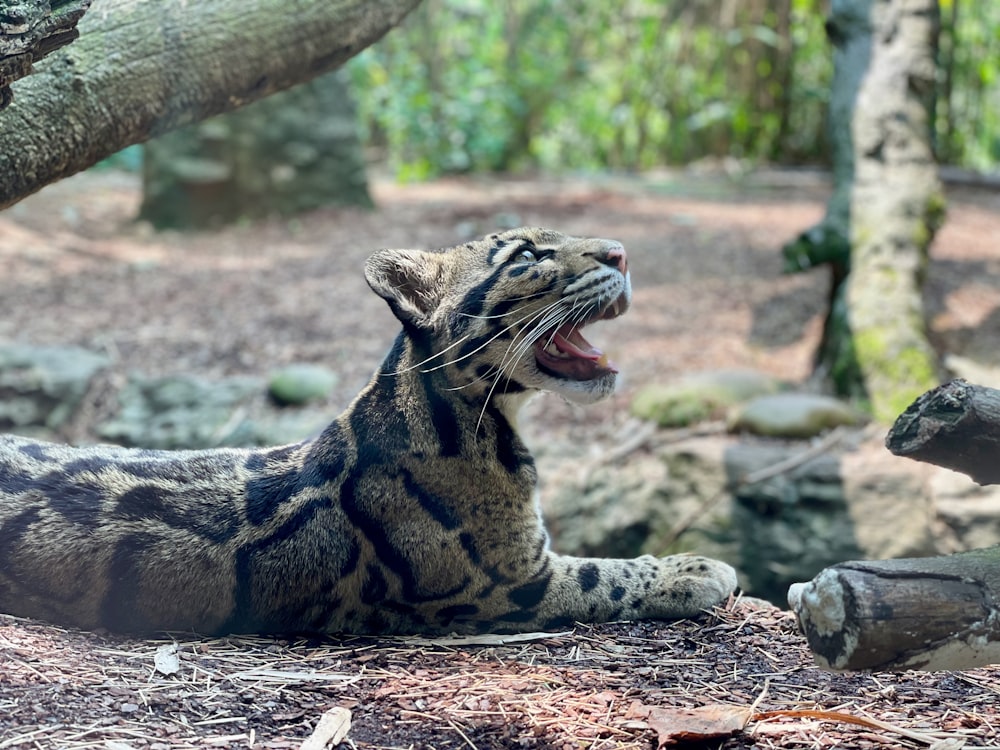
x=183 y=412
x=43 y=385
x=288 y=427
x=604 y=512
x=300 y=383
x=792 y=415
x=969 y=512
x=700 y=396
x=843 y=505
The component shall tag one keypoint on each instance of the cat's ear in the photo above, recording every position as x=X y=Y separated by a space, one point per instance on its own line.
x=411 y=281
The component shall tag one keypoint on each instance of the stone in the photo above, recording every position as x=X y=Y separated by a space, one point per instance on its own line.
x=700 y=396
x=181 y=411
x=301 y=383
x=969 y=513
x=604 y=512
x=855 y=502
x=42 y=386
x=288 y=427
x=792 y=415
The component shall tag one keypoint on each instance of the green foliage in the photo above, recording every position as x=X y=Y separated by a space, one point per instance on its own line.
x=128 y=160
x=968 y=122
x=471 y=85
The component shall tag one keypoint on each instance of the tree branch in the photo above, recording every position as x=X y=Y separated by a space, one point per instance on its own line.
x=142 y=68
x=29 y=31
x=956 y=425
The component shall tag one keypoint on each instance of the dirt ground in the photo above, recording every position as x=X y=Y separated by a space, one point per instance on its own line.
x=709 y=293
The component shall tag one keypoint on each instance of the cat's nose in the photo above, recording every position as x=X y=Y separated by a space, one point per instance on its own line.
x=615 y=256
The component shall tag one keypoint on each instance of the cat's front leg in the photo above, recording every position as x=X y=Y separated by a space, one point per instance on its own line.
x=574 y=589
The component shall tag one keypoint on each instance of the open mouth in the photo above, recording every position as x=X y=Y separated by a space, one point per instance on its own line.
x=564 y=353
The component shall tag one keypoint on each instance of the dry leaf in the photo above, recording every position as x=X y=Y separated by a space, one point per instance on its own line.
x=331 y=730
x=675 y=725
x=166 y=660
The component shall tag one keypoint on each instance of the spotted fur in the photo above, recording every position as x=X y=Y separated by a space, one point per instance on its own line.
x=413 y=512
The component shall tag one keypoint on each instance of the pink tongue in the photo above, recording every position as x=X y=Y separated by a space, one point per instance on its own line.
x=576 y=344
x=584 y=361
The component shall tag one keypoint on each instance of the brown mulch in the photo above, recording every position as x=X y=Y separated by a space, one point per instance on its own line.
x=604 y=686
x=75 y=269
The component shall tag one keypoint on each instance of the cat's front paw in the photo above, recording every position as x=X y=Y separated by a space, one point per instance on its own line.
x=692 y=584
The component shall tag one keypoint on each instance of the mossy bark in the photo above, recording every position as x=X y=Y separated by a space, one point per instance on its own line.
x=886 y=204
x=896 y=206
x=140 y=69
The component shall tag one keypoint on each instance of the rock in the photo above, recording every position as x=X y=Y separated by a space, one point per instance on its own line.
x=43 y=385
x=846 y=504
x=968 y=511
x=183 y=412
x=700 y=396
x=288 y=427
x=841 y=505
x=792 y=415
x=605 y=512
x=300 y=383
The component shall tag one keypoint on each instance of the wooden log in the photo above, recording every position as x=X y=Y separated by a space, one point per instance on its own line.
x=929 y=613
x=957 y=426
x=31 y=29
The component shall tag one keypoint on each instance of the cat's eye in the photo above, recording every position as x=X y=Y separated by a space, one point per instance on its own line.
x=528 y=253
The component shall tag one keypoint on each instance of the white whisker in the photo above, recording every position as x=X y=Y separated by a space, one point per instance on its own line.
x=527 y=320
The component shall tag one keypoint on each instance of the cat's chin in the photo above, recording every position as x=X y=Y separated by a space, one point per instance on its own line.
x=583 y=391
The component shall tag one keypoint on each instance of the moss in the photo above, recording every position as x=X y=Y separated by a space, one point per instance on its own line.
x=896 y=374
x=820 y=245
x=936 y=210
x=674 y=406
x=837 y=356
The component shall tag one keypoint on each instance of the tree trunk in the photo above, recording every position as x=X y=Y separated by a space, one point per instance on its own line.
x=929 y=613
x=140 y=69
x=849 y=29
x=291 y=152
x=886 y=205
x=896 y=206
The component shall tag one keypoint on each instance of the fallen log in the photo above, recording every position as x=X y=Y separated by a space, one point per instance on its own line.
x=916 y=613
x=929 y=613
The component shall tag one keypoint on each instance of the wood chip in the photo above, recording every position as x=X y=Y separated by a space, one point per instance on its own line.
x=166 y=660
x=331 y=730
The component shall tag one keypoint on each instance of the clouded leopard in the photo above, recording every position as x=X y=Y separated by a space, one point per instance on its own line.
x=413 y=512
